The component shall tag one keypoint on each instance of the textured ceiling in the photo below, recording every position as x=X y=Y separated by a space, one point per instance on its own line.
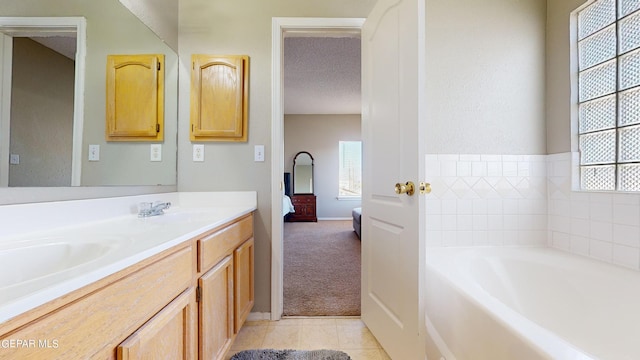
x=65 y=45
x=322 y=75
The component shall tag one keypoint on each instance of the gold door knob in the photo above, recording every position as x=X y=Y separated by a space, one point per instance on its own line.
x=425 y=188
x=407 y=188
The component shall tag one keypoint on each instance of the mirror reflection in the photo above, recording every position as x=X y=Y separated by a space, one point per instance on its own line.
x=40 y=142
x=303 y=173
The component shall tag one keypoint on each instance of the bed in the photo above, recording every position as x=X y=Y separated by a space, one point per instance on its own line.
x=287 y=205
x=357 y=219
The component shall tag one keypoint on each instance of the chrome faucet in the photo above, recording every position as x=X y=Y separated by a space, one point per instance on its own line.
x=146 y=209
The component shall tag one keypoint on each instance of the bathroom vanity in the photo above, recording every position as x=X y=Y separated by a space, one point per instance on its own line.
x=178 y=285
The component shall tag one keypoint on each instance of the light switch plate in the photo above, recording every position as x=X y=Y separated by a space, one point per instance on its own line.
x=14 y=159
x=94 y=152
x=156 y=152
x=258 y=153
x=198 y=152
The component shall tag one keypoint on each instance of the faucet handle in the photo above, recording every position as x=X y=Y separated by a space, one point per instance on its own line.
x=144 y=207
x=162 y=204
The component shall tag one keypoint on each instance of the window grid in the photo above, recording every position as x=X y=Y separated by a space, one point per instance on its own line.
x=609 y=96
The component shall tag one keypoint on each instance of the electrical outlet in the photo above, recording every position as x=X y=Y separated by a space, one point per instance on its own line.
x=156 y=152
x=94 y=152
x=258 y=153
x=198 y=152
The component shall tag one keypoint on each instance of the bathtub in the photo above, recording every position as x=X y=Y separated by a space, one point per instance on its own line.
x=529 y=303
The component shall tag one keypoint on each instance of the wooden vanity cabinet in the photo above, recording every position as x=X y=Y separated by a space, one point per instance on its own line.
x=244 y=282
x=216 y=310
x=170 y=334
x=226 y=261
x=187 y=302
x=93 y=321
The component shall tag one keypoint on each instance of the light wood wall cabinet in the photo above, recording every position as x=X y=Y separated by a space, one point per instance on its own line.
x=135 y=97
x=187 y=302
x=219 y=97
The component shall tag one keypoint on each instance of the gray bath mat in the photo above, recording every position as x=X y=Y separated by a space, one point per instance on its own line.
x=268 y=354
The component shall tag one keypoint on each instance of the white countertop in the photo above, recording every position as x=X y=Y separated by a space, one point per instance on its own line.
x=107 y=232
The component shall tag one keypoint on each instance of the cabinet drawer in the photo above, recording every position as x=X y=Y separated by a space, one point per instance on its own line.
x=214 y=247
x=92 y=326
x=304 y=200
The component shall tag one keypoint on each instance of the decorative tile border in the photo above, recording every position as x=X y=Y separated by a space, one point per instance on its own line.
x=486 y=200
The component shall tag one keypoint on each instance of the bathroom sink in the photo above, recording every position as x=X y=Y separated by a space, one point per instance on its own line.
x=41 y=259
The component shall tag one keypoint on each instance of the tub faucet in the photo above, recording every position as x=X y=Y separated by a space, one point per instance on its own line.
x=146 y=209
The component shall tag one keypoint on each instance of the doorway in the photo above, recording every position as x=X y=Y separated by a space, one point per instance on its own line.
x=45 y=29
x=282 y=27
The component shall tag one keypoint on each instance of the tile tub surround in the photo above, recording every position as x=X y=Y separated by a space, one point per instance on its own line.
x=116 y=218
x=600 y=225
x=528 y=200
x=486 y=200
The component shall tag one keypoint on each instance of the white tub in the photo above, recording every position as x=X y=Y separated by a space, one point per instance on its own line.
x=530 y=303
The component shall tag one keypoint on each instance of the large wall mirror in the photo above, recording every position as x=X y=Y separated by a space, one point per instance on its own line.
x=52 y=106
x=303 y=173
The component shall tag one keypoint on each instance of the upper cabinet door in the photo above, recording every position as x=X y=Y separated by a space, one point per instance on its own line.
x=135 y=97
x=219 y=97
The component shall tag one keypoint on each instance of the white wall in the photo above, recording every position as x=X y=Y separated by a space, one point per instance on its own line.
x=486 y=123
x=242 y=27
x=320 y=135
x=558 y=75
x=485 y=77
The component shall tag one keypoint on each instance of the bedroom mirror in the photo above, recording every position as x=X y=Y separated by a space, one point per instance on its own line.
x=53 y=105
x=303 y=173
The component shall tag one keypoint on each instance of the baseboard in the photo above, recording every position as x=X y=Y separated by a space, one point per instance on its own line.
x=334 y=218
x=258 y=316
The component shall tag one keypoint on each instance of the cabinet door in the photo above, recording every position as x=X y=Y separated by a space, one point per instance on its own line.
x=216 y=310
x=219 y=97
x=243 y=287
x=169 y=335
x=135 y=98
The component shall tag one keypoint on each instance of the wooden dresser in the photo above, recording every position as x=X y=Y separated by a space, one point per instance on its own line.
x=305 y=206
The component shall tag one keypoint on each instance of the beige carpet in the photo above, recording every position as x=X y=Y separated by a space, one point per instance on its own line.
x=321 y=269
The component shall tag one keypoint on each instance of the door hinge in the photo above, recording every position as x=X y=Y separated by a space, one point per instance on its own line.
x=198 y=294
x=158 y=65
x=157 y=128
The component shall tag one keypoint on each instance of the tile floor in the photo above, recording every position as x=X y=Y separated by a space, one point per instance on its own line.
x=346 y=334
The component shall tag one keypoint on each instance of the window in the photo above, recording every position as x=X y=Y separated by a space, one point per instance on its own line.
x=609 y=95
x=350 y=174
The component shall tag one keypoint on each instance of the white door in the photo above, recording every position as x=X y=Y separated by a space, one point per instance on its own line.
x=392 y=249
